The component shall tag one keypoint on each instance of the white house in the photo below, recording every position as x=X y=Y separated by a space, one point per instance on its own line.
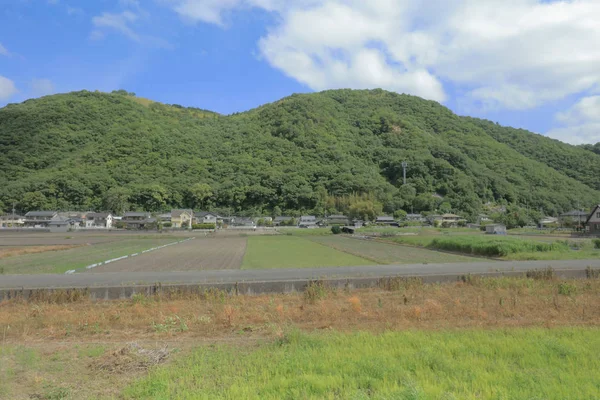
x=99 y=220
x=206 y=218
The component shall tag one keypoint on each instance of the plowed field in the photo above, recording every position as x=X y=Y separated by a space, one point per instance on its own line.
x=197 y=254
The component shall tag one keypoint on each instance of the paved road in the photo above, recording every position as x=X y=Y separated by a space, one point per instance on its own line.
x=114 y=279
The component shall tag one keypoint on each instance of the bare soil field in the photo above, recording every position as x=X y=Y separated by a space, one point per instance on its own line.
x=199 y=254
x=22 y=250
x=386 y=253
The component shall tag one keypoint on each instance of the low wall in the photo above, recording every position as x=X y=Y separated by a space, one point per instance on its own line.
x=254 y=287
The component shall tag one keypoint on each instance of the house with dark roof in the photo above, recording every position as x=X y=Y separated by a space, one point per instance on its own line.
x=282 y=220
x=12 y=221
x=205 y=217
x=39 y=218
x=386 y=220
x=338 y=219
x=307 y=221
x=592 y=222
x=415 y=217
x=574 y=217
x=137 y=220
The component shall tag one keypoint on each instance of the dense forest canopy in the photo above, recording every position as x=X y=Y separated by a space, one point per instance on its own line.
x=321 y=153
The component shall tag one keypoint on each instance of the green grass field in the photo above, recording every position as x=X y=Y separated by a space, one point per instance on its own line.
x=384 y=253
x=58 y=262
x=495 y=364
x=294 y=252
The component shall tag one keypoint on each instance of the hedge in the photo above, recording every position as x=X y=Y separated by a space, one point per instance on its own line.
x=204 y=226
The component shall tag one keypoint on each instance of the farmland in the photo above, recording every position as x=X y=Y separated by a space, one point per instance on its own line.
x=386 y=253
x=79 y=257
x=479 y=339
x=294 y=252
x=197 y=254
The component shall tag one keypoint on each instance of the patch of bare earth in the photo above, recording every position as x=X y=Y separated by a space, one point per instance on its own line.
x=19 y=251
x=198 y=254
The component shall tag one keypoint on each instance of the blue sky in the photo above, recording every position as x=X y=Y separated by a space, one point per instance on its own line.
x=531 y=64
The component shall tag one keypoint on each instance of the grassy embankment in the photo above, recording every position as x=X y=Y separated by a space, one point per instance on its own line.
x=76 y=258
x=294 y=252
x=428 y=341
x=518 y=364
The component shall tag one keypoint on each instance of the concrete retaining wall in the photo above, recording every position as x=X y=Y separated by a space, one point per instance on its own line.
x=252 y=288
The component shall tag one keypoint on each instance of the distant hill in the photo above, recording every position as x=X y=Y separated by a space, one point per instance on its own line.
x=310 y=152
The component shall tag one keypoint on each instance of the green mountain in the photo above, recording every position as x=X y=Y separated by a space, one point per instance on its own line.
x=313 y=152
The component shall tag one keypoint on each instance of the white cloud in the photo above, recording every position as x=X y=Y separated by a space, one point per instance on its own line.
x=3 y=51
x=581 y=122
x=41 y=87
x=119 y=22
x=7 y=88
x=75 y=11
x=515 y=54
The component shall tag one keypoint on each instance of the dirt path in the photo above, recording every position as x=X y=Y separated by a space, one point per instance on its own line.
x=193 y=255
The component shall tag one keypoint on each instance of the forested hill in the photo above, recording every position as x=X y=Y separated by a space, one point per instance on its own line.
x=314 y=152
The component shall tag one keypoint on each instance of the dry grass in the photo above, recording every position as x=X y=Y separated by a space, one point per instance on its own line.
x=477 y=303
x=20 y=251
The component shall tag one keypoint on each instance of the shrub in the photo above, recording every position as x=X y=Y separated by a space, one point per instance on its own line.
x=566 y=289
x=204 y=226
x=167 y=225
x=336 y=230
x=596 y=243
x=493 y=247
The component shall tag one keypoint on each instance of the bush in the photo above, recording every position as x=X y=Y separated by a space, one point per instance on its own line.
x=336 y=230
x=493 y=247
x=167 y=225
x=596 y=243
x=204 y=226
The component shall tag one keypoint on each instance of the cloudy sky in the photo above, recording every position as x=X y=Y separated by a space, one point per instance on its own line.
x=525 y=63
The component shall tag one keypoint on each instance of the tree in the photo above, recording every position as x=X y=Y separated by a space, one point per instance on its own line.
x=276 y=212
x=33 y=201
x=365 y=210
x=424 y=202
x=116 y=200
x=199 y=194
x=150 y=197
x=399 y=214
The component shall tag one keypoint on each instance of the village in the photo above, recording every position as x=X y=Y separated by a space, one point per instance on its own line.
x=186 y=219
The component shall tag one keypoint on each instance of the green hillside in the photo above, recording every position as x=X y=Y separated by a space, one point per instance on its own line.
x=314 y=152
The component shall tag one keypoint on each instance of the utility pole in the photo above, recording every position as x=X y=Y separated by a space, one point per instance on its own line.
x=404 y=165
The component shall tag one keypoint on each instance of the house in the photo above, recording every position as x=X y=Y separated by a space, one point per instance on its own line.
x=282 y=220
x=548 y=221
x=574 y=217
x=307 y=221
x=386 y=220
x=181 y=218
x=434 y=217
x=12 y=221
x=137 y=220
x=62 y=224
x=99 y=220
x=39 y=218
x=592 y=222
x=164 y=218
x=204 y=217
x=451 y=218
x=415 y=218
x=243 y=223
x=338 y=220
x=495 y=229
